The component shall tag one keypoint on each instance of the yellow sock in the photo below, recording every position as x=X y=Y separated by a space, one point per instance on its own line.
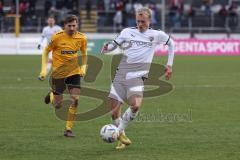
x=72 y=111
x=51 y=97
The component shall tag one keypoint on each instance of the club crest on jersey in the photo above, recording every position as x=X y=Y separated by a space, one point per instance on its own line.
x=151 y=38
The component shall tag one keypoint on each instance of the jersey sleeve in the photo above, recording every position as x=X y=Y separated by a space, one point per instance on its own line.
x=46 y=51
x=50 y=44
x=44 y=32
x=43 y=35
x=121 y=37
x=163 y=38
x=83 y=48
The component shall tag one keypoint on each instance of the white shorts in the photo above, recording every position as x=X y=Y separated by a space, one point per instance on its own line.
x=121 y=90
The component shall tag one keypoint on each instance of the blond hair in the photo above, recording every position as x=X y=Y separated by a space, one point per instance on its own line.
x=144 y=11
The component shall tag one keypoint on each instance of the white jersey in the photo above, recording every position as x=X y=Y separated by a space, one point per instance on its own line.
x=137 y=58
x=49 y=31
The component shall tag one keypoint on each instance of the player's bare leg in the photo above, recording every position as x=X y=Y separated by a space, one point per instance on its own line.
x=115 y=110
x=57 y=100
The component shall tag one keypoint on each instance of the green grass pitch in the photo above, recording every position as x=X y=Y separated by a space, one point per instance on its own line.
x=198 y=120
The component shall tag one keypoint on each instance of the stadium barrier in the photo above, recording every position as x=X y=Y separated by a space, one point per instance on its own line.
x=26 y=44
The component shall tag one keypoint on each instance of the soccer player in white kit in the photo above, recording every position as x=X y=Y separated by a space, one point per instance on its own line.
x=47 y=33
x=128 y=84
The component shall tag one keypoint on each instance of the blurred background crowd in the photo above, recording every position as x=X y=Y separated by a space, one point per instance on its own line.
x=113 y=15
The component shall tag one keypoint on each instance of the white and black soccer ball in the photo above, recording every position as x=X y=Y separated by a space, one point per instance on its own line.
x=109 y=133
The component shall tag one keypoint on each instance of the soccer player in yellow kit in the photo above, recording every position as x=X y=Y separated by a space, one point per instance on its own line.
x=66 y=70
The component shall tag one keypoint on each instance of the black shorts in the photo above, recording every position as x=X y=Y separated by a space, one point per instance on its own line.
x=59 y=85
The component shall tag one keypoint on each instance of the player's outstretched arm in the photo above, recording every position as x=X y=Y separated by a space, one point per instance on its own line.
x=109 y=47
x=83 y=66
x=42 y=39
x=43 y=72
x=168 y=67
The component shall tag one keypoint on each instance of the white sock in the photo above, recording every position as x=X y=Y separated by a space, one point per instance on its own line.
x=116 y=122
x=127 y=117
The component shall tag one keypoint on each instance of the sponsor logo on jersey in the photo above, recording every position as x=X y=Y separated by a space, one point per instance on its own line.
x=68 y=52
x=141 y=43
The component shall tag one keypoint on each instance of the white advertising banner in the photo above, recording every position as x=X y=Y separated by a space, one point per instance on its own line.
x=26 y=44
x=23 y=46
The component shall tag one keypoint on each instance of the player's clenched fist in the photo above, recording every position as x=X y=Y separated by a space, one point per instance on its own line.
x=168 y=72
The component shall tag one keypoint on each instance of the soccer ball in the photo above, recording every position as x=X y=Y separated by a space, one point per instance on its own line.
x=109 y=133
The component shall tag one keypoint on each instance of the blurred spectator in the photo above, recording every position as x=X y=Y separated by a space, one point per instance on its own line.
x=118 y=18
x=175 y=14
x=47 y=7
x=233 y=17
x=1 y=8
x=117 y=21
x=100 y=5
x=223 y=14
x=129 y=7
x=137 y=5
x=153 y=18
x=101 y=18
x=53 y=11
x=130 y=20
x=107 y=5
x=32 y=7
x=74 y=10
x=59 y=4
x=119 y=5
x=12 y=9
x=23 y=7
x=112 y=5
x=1 y=15
x=191 y=14
x=206 y=7
x=88 y=7
x=69 y=4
